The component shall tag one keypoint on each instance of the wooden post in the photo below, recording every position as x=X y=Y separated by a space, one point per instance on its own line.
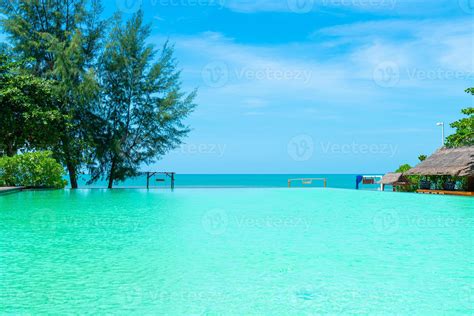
x=289 y=183
x=147 y=180
x=172 y=181
x=325 y=184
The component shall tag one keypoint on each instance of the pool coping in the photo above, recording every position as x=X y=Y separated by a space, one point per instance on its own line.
x=8 y=190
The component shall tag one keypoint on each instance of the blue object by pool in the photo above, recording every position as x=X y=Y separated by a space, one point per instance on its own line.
x=358 y=181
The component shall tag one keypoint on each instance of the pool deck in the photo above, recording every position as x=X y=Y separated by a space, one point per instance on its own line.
x=10 y=189
x=443 y=192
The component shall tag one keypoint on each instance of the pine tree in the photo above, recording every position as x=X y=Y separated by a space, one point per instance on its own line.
x=142 y=105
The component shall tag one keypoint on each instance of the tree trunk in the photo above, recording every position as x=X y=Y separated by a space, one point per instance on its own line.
x=72 y=175
x=470 y=184
x=111 y=175
x=11 y=150
x=71 y=167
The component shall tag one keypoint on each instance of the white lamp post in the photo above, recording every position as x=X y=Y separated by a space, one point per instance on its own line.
x=442 y=132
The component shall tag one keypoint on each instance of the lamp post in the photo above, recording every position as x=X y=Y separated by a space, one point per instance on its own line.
x=442 y=132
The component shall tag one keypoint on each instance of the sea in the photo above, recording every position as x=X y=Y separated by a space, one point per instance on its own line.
x=160 y=181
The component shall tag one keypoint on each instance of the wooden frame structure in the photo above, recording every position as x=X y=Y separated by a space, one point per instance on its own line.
x=150 y=174
x=444 y=192
x=307 y=181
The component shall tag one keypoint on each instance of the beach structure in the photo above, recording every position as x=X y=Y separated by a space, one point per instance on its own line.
x=150 y=174
x=367 y=179
x=455 y=162
x=395 y=179
x=307 y=181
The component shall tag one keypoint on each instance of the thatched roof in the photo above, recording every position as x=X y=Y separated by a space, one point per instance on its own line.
x=447 y=162
x=392 y=177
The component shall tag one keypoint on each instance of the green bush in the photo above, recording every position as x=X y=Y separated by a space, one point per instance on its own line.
x=36 y=169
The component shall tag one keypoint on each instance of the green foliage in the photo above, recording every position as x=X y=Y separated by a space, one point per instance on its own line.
x=403 y=168
x=111 y=107
x=62 y=38
x=422 y=157
x=464 y=135
x=28 y=118
x=37 y=169
x=142 y=105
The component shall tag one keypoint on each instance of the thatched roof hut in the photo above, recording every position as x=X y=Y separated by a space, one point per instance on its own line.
x=393 y=178
x=457 y=162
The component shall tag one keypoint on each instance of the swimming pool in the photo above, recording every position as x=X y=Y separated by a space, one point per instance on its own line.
x=235 y=251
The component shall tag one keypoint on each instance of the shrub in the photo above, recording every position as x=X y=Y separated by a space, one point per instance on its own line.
x=36 y=169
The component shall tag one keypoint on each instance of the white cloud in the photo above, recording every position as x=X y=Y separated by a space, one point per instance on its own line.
x=303 y=71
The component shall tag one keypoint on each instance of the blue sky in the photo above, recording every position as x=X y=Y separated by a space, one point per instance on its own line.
x=314 y=86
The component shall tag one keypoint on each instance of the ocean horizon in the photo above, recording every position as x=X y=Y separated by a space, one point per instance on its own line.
x=340 y=181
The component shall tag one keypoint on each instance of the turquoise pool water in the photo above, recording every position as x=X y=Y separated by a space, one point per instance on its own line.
x=235 y=251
